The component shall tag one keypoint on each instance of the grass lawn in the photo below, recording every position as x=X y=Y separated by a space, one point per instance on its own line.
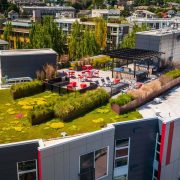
x=14 y=124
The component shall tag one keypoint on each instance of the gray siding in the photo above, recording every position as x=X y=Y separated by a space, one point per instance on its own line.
x=25 y=65
x=142 y=135
x=62 y=160
x=10 y=155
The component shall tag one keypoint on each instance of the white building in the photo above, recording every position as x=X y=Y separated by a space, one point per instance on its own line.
x=105 y=13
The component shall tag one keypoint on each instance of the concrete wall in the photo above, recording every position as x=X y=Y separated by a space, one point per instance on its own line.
x=61 y=161
x=168 y=43
x=13 y=153
x=171 y=170
x=25 y=65
x=142 y=135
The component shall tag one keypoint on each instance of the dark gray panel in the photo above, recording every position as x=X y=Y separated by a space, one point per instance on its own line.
x=10 y=155
x=25 y=65
x=142 y=146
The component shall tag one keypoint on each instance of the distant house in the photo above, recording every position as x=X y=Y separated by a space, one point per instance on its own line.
x=3 y=44
x=25 y=62
x=13 y=15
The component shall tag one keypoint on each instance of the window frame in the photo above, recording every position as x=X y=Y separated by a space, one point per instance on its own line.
x=28 y=171
x=93 y=151
x=127 y=156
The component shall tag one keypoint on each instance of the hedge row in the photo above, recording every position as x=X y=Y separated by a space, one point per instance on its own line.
x=26 y=89
x=74 y=107
x=68 y=107
x=122 y=99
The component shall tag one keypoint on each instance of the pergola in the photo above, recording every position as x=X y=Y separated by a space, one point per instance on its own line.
x=135 y=55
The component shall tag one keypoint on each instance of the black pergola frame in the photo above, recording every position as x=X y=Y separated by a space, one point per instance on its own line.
x=134 y=55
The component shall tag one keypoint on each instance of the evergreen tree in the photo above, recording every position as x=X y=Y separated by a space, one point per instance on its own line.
x=7 y=34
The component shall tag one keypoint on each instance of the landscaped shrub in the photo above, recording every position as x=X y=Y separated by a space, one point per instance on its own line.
x=41 y=114
x=100 y=62
x=174 y=74
x=122 y=99
x=26 y=89
x=81 y=104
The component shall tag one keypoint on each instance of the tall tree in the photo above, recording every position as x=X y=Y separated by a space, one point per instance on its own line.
x=129 y=40
x=101 y=32
x=3 y=5
x=47 y=35
x=8 y=32
x=82 y=42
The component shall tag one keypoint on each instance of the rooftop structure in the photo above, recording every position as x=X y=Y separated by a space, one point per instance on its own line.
x=66 y=11
x=105 y=13
x=163 y=40
x=133 y=150
x=25 y=63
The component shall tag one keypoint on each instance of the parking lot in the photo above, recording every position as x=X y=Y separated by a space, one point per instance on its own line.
x=169 y=108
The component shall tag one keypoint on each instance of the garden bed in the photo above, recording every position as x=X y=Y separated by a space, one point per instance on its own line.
x=147 y=92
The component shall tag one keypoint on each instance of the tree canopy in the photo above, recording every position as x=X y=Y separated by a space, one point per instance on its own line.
x=47 y=34
x=129 y=40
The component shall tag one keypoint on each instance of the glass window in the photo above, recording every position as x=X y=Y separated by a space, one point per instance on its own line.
x=121 y=162
x=86 y=162
x=27 y=170
x=27 y=176
x=122 y=143
x=101 y=163
x=120 y=177
x=155 y=173
x=121 y=152
x=26 y=165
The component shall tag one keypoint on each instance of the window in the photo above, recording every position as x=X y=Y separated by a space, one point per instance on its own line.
x=27 y=170
x=101 y=163
x=121 y=158
x=94 y=164
x=120 y=177
x=122 y=143
x=121 y=162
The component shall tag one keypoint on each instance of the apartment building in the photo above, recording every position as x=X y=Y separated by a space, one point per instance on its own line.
x=115 y=32
x=66 y=11
x=145 y=149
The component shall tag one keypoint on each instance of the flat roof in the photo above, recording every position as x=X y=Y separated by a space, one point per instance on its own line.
x=17 y=52
x=49 y=7
x=20 y=24
x=160 y=32
x=2 y=42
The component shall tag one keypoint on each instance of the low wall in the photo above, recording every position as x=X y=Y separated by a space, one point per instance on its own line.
x=140 y=101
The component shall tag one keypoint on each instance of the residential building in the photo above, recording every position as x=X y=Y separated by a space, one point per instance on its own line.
x=115 y=32
x=3 y=44
x=163 y=40
x=20 y=3
x=65 y=11
x=143 y=149
x=106 y=13
x=143 y=14
x=20 y=31
x=13 y=15
x=25 y=63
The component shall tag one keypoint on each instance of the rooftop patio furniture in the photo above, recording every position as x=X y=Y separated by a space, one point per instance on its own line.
x=115 y=89
x=116 y=80
x=83 y=85
x=109 y=81
x=74 y=84
x=104 y=83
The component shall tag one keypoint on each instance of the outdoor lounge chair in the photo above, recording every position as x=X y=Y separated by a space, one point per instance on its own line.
x=109 y=81
x=105 y=84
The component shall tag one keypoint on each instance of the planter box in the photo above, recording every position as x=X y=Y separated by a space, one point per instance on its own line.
x=140 y=101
